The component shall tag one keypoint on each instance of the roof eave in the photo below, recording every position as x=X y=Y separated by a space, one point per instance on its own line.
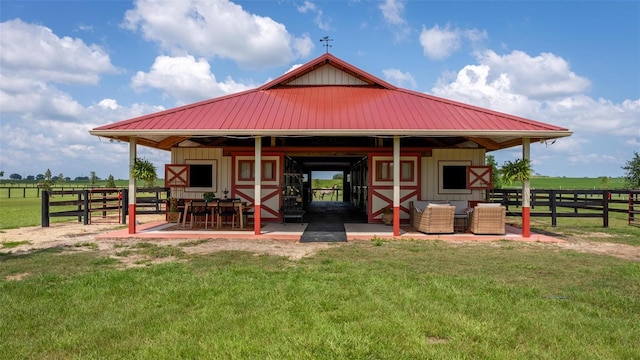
x=546 y=134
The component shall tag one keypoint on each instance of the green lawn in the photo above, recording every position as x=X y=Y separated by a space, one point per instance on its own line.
x=399 y=300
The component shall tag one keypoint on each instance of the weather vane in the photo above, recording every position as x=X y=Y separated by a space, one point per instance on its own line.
x=326 y=44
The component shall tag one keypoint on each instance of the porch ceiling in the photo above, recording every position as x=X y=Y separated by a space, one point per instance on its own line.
x=487 y=142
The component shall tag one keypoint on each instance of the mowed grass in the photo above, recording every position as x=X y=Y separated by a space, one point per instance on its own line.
x=19 y=212
x=398 y=300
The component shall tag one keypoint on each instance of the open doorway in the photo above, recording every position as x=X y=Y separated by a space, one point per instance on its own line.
x=327 y=186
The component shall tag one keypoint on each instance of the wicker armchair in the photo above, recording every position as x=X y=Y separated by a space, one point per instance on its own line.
x=488 y=219
x=433 y=219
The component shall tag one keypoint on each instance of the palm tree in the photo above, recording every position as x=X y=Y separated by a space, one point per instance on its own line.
x=144 y=170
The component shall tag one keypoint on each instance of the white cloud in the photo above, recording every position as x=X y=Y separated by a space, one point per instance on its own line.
x=440 y=43
x=543 y=76
x=185 y=79
x=31 y=143
x=32 y=58
x=596 y=116
x=544 y=88
x=34 y=52
x=393 y=15
x=319 y=20
x=392 y=12
x=399 y=78
x=25 y=96
x=110 y=104
x=472 y=85
x=215 y=28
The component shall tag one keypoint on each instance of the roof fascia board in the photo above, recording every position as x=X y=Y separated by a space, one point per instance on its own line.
x=546 y=134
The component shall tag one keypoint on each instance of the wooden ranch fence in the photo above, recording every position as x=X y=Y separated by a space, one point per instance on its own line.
x=570 y=203
x=634 y=207
x=105 y=205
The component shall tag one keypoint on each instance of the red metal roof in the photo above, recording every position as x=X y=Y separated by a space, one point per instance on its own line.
x=377 y=108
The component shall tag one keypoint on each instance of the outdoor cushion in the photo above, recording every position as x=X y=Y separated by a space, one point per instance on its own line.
x=421 y=204
x=460 y=205
x=489 y=205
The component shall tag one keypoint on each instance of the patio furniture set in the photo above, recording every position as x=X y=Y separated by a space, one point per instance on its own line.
x=218 y=210
x=446 y=217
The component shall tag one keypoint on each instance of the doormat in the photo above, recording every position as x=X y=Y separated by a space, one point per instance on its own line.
x=324 y=232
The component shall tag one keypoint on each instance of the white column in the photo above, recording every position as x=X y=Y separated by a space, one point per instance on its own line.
x=132 y=186
x=526 y=192
x=257 y=190
x=396 y=185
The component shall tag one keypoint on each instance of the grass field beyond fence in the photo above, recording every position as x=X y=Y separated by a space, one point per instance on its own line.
x=364 y=300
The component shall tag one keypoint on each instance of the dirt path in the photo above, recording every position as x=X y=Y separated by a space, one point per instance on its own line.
x=75 y=234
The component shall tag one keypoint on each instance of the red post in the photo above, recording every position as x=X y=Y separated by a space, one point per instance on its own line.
x=526 y=224
x=132 y=218
x=396 y=221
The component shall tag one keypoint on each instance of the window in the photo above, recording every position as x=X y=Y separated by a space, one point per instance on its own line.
x=384 y=170
x=202 y=175
x=246 y=170
x=453 y=177
x=406 y=170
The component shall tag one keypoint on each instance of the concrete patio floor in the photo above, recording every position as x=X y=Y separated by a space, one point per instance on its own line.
x=293 y=232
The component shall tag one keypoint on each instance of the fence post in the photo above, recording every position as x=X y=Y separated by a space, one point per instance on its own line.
x=123 y=203
x=86 y=206
x=9 y=194
x=631 y=207
x=533 y=199
x=605 y=208
x=24 y=192
x=552 y=206
x=45 y=209
x=79 y=207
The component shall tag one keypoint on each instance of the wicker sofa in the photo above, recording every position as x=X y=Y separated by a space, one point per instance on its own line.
x=488 y=219
x=432 y=218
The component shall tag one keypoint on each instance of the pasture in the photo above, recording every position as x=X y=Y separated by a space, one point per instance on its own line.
x=368 y=299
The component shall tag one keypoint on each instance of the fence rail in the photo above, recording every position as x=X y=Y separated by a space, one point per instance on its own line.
x=634 y=207
x=101 y=205
x=566 y=203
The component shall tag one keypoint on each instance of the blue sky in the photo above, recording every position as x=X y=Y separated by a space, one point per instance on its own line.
x=69 y=66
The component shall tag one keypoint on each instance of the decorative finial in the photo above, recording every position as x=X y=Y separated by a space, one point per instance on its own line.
x=326 y=44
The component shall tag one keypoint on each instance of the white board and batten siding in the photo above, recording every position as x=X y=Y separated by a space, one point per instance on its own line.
x=431 y=181
x=327 y=75
x=222 y=165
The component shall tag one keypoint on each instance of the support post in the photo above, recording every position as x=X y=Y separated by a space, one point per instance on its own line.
x=85 y=194
x=132 y=186
x=396 y=185
x=605 y=208
x=553 y=207
x=124 y=200
x=257 y=190
x=526 y=192
x=45 y=208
